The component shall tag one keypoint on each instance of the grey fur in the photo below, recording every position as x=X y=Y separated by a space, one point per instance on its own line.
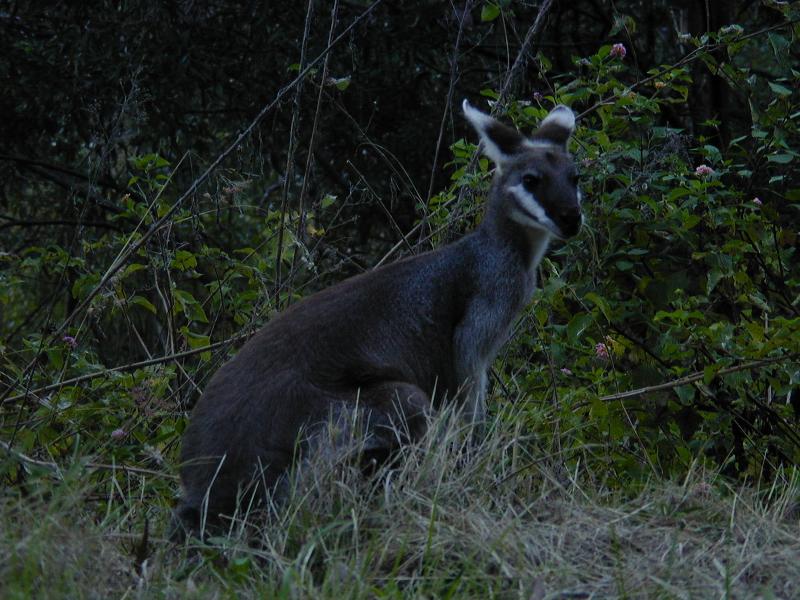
x=396 y=341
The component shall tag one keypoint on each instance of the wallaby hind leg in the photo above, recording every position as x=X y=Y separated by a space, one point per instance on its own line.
x=216 y=490
x=396 y=414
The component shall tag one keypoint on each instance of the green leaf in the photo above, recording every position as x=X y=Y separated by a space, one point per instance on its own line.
x=189 y=305
x=56 y=357
x=132 y=268
x=685 y=393
x=779 y=45
x=184 y=260
x=714 y=277
x=490 y=12
x=779 y=89
x=781 y=159
x=340 y=83
x=624 y=265
x=713 y=153
x=710 y=372
x=690 y=221
x=600 y=303
x=196 y=340
x=577 y=325
x=84 y=284
x=144 y=303
x=599 y=409
x=756 y=330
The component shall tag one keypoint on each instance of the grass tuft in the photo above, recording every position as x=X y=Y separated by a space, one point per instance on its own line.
x=449 y=518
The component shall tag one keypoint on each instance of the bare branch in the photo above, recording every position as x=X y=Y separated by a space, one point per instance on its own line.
x=89 y=465
x=697 y=376
x=128 y=367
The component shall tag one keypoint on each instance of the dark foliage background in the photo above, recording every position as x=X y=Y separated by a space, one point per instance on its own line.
x=114 y=280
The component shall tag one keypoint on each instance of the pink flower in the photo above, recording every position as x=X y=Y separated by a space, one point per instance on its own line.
x=601 y=351
x=118 y=434
x=537 y=96
x=618 y=51
x=70 y=341
x=703 y=170
x=566 y=371
x=757 y=201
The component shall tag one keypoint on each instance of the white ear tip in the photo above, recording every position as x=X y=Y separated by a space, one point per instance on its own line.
x=562 y=116
x=472 y=113
x=478 y=119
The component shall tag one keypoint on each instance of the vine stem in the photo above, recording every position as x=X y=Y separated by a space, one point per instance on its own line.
x=696 y=376
x=521 y=59
x=90 y=465
x=129 y=367
x=291 y=147
x=448 y=102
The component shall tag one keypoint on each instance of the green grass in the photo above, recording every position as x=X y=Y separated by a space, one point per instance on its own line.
x=450 y=519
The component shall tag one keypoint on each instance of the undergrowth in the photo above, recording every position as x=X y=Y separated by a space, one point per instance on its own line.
x=451 y=517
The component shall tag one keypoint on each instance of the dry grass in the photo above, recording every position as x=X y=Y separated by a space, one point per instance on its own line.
x=451 y=520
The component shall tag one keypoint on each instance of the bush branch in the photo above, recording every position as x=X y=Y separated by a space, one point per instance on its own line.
x=697 y=376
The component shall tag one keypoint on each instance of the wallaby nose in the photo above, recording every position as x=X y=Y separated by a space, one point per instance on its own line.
x=570 y=220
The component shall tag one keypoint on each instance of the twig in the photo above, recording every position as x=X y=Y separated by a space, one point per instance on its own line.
x=380 y=203
x=697 y=376
x=521 y=59
x=90 y=465
x=86 y=189
x=312 y=140
x=12 y=222
x=293 y=127
x=128 y=367
x=448 y=103
x=31 y=162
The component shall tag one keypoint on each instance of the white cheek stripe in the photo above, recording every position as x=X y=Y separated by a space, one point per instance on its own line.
x=529 y=203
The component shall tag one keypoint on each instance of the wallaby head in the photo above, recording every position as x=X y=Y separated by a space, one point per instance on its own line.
x=536 y=183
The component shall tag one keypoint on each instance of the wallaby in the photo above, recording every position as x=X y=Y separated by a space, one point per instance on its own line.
x=395 y=341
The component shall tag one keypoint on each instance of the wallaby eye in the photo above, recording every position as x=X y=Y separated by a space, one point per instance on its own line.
x=530 y=181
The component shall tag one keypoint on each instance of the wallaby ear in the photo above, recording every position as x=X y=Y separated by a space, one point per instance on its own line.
x=499 y=141
x=556 y=127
